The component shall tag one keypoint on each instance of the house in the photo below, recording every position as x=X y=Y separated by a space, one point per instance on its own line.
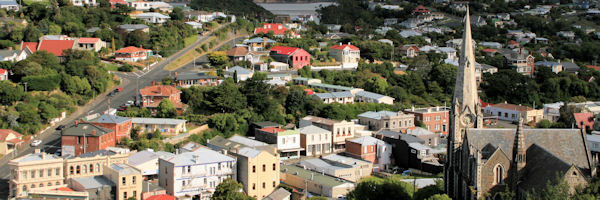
x=121 y=125
x=431 y=139
x=370 y=97
x=167 y=126
x=127 y=179
x=147 y=161
x=352 y=172
x=522 y=62
x=585 y=119
x=594 y=143
x=241 y=73
x=387 y=120
x=9 y=141
x=478 y=21
x=259 y=44
x=257 y=171
x=570 y=67
x=295 y=57
x=277 y=29
x=238 y=53
x=195 y=173
x=84 y=2
x=390 y=21
x=347 y=54
x=552 y=111
x=90 y=44
x=511 y=112
x=9 y=5
x=85 y=137
x=204 y=16
x=315 y=140
x=481 y=69
x=14 y=55
x=340 y=130
x=457 y=43
x=151 y=96
x=370 y=149
x=555 y=66
x=35 y=170
x=287 y=141
x=420 y=10
x=570 y=35
x=3 y=74
x=236 y=142
x=97 y=187
x=56 y=47
x=153 y=17
x=460 y=6
x=195 y=79
x=409 y=50
x=315 y=182
x=147 y=5
x=409 y=151
x=132 y=54
x=279 y=194
x=436 y=119
x=134 y=27
x=336 y=97
x=195 y=25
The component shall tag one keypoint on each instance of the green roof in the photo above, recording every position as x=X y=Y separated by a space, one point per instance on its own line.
x=288 y=132
x=317 y=177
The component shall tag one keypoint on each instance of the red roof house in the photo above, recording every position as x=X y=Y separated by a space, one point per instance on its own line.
x=586 y=118
x=597 y=68
x=31 y=45
x=278 y=29
x=295 y=57
x=9 y=140
x=132 y=54
x=152 y=95
x=161 y=197
x=3 y=74
x=420 y=10
x=56 y=47
x=113 y=3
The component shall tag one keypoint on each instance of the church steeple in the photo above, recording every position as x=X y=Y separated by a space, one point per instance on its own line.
x=519 y=147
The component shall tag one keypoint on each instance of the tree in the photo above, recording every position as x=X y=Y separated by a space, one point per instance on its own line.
x=439 y=197
x=226 y=98
x=381 y=189
x=10 y=92
x=544 y=123
x=177 y=14
x=48 y=112
x=557 y=189
x=166 y=109
x=229 y=189
x=217 y=58
x=156 y=134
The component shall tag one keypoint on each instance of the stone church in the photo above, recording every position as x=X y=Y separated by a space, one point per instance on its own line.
x=482 y=161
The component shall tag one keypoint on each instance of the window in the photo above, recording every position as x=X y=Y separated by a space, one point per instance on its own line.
x=133 y=180
x=41 y=173
x=124 y=195
x=98 y=167
x=57 y=183
x=70 y=170
x=84 y=169
x=32 y=174
x=49 y=184
x=134 y=193
x=274 y=167
x=24 y=188
x=189 y=169
x=24 y=173
x=253 y=186
x=41 y=185
x=273 y=183
x=264 y=168
x=78 y=169
x=498 y=174
x=124 y=180
x=219 y=164
x=91 y=168
x=253 y=168
x=505 y=114
x=49 y=172
x=264 y=185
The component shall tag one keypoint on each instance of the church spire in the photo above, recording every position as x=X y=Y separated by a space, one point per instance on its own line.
x=465 y=91
x=520 y=148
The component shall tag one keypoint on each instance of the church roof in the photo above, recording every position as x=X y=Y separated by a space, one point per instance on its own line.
x=542 y=166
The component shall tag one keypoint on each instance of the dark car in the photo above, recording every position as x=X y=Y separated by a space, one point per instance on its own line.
x=60 y=127
x=122 y=109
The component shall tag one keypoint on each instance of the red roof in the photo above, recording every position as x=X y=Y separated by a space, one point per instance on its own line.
x=586 y=118
x=3 y=71
x=421 y=9
x=159 y=90
x=66 y=189
x=341 y=47
x=597 y=68
x=489 y=50
x=161 y=197
x=278 y=29
x=56 y=47
x=87 y=40
x=508 y=106
x=284 y=50
x=272 y=130
x=31 y=45
x=309 y=91
x=485 y=104
x=130 y=49
x=4 y=133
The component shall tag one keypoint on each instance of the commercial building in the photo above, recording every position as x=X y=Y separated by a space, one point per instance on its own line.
x=315 y=182
x=36 y=170
x=340 y=130
x=436 y=119
x=370 y=149
x=127 y=179
x=85 y=137
x=387 y=120
x=315 y=140
x=92 y=163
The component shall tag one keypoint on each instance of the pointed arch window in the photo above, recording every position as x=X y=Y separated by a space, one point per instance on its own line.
x=498 y=174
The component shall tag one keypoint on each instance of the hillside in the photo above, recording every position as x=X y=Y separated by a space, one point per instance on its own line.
x=236 y=7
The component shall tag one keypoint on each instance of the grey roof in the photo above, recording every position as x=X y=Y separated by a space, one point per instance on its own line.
x=191 y=146
x=367 y=140
x=542 y=166
x=400 y=136
x=279 y=194
x=240 y=70
x=35 y=157
x=344 y=159
x=344 y=94
x=84 y=128
x=102 y=152
x=133 y=26
x=377 y=115
x=258 y=40
x=152 y=14
x=140 y=120
x=125 y=169
x=7 y=53
x=248 y=152
x=8 y=2
x=312 y=129
x=247 y=141
x=418 y=146
x=570 y=66
x=321 y=165
x=93 y=29
x=325 y=180
x=370 y=95
x=112 y=119
x=151 y=186
x=546 y=63
x=195 y=76
x=93 y=182
x=147 y=155
x=265 y=124
x=419 y=131
x=204 y=155
x=593 y=138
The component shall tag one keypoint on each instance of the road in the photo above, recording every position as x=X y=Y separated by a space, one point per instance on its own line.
x=191 y=67
x=130 y=82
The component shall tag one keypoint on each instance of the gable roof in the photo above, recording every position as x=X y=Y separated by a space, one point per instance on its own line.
x=203 y=155
x=278 y=29
x=366 y=140
x=4 y=133
x=285 y=50
x=272 y=130
x=542 y=166
x=239 y=70
x=84 y=128
x=130 y=49
x=31 y=45
x=87 y=40
x=258 y=40
x=152 y=15
x=341 y=47
x=237 y=51
x=110 y=119
x=145 y=156
x=159 y=90
x=586 y=118
x=56 y=47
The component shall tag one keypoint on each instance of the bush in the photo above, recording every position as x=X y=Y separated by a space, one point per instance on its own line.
x=126 y=68
x=42 y=82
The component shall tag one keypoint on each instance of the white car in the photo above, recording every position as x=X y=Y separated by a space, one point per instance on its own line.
x=36 y=143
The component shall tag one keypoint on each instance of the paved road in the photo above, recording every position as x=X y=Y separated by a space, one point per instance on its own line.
x=191 y=67
x=130 y=82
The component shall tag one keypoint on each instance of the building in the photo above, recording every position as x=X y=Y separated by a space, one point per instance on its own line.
x=481 y=69
x=151 y=97
x=279 y=194
x=147 y=161
x=9 y=5
x=297 y=58
x=9 y=141
x=3 y=74
x=239 y=53
x=370 y=149
x=121 y=125
x=85 y=137
x=97 y=187
x=552 y=111
x=56 y=47
x=195 y=79
x=132 y=54
x=147 y=5
x=36 y=170
x=511 y=112
x=315 y=140
x=195 y=173
x=84 y=2
x=89 y=44
x=522 y=62
x=353 y=171
x=556 y=67
x=584 y=120
x=14 y=55
x=347 y=54
x=409 y=151
x=370 y=97
x=127 y=179
x=336 y=97
x=395 y=121
x=317 y=183
x=430 y=139
x=436 y=119
x=257 y=171
x=134 y=27
x=278 y=30
x=92 y=163
x=340 y=130
x=55 y=192
x=524 y=159
x=409 y=50
x=153 y=17
x=287 y=141
x=594 y=143
x=167 y=126
x=259 y=44
x=242 y=73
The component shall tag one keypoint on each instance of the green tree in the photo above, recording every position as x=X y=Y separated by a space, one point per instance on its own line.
x=166 y=109
x=177 y=14
x=226 y=98
x=557 y=189
x=48 y=112
x=544 y=123
x=429 y=191
x=10 y=92
x=439 y=197
x=381 y=189
x=217 y=58
x=229 y=189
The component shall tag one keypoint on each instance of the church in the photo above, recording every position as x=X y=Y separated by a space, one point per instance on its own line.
x=482 y=161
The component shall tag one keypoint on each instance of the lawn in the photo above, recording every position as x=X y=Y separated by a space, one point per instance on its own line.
x=190 y=40
x=29 y=2
x=111 y=67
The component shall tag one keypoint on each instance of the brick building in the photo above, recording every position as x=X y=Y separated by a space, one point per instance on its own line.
x=295 y=57
x=90 y=136
x=121 y=125
x=152 y=95
x=435 y=118
x=370 y=149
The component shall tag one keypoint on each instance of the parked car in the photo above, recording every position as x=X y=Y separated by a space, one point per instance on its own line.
x=60 y=127
x=36 y=143
x=118 y=89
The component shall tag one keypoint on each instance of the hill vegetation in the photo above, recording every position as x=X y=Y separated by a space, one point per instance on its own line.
x=245 y=8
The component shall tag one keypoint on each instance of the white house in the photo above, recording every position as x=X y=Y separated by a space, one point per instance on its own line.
x=14 y=55
x=3 y=74
x=242 y=73
x=195 y=173
x=315 y=140
x=84 y=2
x=152 y=17
x=552 y=111
x=195 y=25
x=370 y=97
x=147 y=161
x=287 y=141
x=347 y=54
x=336 y=97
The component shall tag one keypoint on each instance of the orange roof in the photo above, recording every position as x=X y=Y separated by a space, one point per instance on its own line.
x=284 y=50
x=278 y=29
x=4 y=133
x=161 y=197
x=272 y=130
x=309 y=91
x=508 y=106
x=66 y=189
x=56 y=47
x=31 y=45
x=421 y=9
x=586 y=118
x=597 y=68
x=3 y=71
x=88 y=40
x=159 y=90
x=489 y=50
x=485 y=104
x=130 y=49
x=340 y=47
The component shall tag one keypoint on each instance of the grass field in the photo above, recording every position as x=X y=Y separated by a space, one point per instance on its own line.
x=190 y=40
x=111 y=67
x=29 y=2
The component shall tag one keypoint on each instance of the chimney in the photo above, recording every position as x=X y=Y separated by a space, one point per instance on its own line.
x=340 y=44
x=175 y=75
x=312 y=176
x=94 y=132
x=196 y=159
x=10 y=48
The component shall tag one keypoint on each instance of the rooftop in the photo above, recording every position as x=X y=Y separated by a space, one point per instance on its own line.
x=330 y=95
x=345 y=160
x=56 y=47
x=367 y=140
x=248 y=152
x=378 y=115
x=285 y=50
x=399 y=136
x=110 y=119
x=93 y=182
x=152 y=14
x=200 y=156
x=371 y=95
x=508 y=106
x=279 y=194
x=147 y=155
x=141 y=120
x=125 y=169
x=316 y=176
x=312 y=129
x=90 y=130
x=239 y=70
x=320 y=120
x=194 y=76
x=247 y=141
x=159 y=90
x=36 y=157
